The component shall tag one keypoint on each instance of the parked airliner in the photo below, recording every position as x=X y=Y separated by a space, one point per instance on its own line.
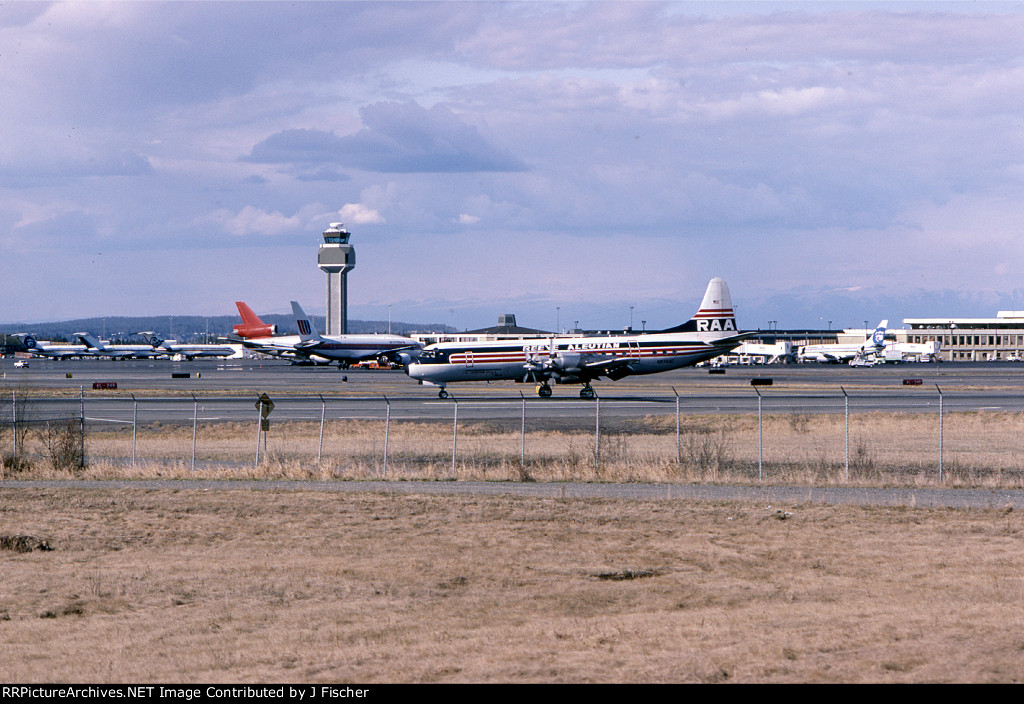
x=46 y=349
x=836 y=353
x=100 y=348
x=580 y=360
x=310 y=345
x=187 y=351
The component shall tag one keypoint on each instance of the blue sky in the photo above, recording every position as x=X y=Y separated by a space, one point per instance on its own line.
x=833 y=162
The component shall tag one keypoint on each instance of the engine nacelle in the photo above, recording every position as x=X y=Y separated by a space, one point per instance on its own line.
x=247 y=330
x=401 y=359
x=566 y=363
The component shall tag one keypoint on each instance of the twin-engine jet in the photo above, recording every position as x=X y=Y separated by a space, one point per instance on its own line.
x=580 y=360
x=310 y=345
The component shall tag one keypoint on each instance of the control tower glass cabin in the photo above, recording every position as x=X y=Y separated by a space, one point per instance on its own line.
x=336 y=258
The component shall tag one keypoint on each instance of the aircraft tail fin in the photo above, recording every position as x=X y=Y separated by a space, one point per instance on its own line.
x=89 y=340
x=251 y=325
x=151 y=338
x=878 y=336
x=248 y=317
x=28 y=340
x=715 y=315
x=307 y=330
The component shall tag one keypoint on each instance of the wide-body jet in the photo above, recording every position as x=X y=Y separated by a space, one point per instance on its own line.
x=580 y=360
x=310 y=345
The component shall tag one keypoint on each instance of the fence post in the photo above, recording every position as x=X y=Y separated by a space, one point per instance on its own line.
x=522 y=436
x=195 y=424
x=679 y=453
x=597 y=434
x=940 y=432
x=259 y=418
x=323 y=413
x=387 y=430
x=135 y=425
x=760 y=439
x=14 y=419
x=846 y=398
x=81 y=395
x=455 y=433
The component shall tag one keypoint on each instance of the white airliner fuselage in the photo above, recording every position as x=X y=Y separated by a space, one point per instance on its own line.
x=344 y=349
x=44 y=349
x=100 y=348
x=835 y=353
x=188 y=351
x=580 y=360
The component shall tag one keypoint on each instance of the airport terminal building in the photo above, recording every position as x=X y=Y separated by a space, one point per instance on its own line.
x=971 y=339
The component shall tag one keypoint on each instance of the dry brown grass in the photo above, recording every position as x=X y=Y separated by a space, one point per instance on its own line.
x=980 y=449
x=229 y=586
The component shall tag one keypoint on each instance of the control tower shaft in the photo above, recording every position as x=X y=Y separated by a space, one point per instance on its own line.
x=336 y=258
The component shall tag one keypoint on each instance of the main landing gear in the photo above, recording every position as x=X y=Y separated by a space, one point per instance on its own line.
x=544 y=391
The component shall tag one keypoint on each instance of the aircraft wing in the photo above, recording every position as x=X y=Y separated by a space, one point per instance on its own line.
x=390 y=352
x=267 y=348
x=733 y=340
x=606 y=367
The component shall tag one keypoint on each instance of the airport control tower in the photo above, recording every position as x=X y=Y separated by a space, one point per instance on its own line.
x=336 y=259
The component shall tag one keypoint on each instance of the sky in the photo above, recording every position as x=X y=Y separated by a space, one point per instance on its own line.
x=577 y=164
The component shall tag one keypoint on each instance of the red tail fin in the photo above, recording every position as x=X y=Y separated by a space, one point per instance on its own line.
x=251 y=325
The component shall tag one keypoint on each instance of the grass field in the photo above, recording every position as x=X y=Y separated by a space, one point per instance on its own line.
x=268 y=586
x=980 y=449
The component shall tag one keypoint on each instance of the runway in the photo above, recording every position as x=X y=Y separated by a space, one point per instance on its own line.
x=227 y=390
x=216 y=376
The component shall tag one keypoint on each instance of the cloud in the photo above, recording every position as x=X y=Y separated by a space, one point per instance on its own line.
x=396 y=138
x=359 y=214
x=323 y=175
x=251 y=220
x=775 y=145
x=298 y=146
x=23 y=169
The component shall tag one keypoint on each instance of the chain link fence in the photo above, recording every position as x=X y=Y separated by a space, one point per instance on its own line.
x=922 y=436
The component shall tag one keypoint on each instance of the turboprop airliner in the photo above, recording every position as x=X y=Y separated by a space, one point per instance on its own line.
x=580 y=360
